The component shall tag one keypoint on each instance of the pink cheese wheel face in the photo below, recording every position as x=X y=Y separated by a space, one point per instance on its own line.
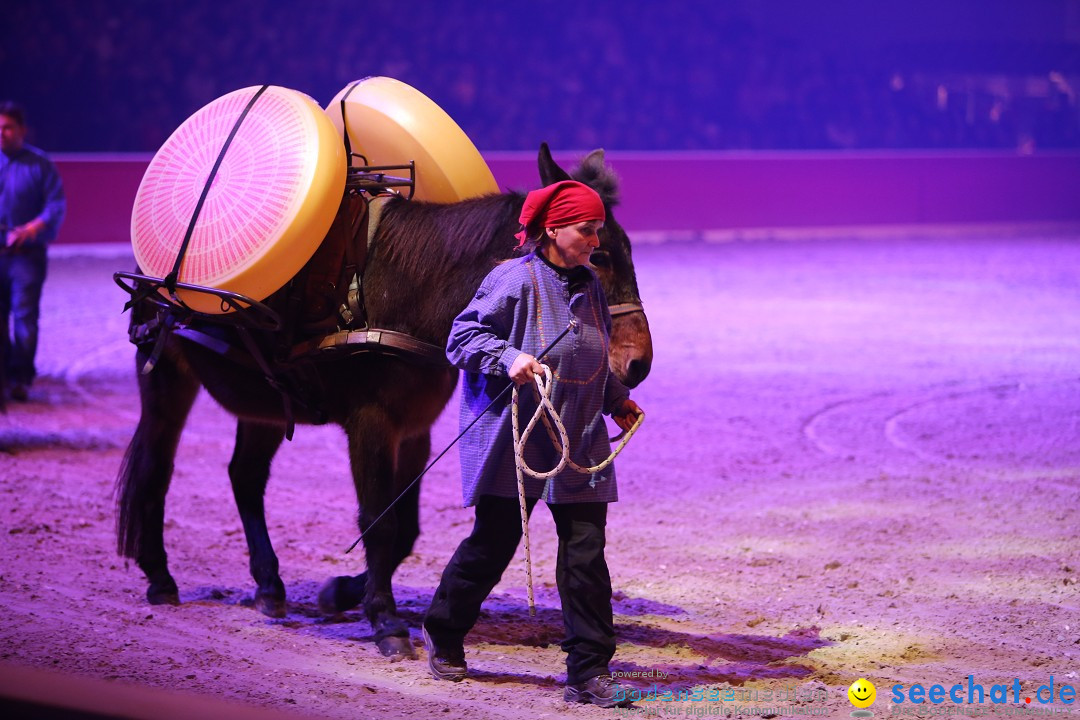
x=259 y=188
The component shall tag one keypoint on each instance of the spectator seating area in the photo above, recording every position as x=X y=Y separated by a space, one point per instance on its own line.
x=103 y=75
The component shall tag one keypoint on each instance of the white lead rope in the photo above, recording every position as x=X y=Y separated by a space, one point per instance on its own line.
x=546 y=411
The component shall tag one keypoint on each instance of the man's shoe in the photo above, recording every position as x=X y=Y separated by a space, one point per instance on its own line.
x=444 y=665
x=20 y=393
x=600 y=690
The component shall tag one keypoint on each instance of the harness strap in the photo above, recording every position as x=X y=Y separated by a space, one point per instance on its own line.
x=371 y=339
x=375 y=211
x=252 y=359
x=159 y=345
x=353 y=309
x=174 y=274
x=625 y=309
x=144 y=332
x=355 y=260
x=345 y=124
x=271 y=379
x=221 y=347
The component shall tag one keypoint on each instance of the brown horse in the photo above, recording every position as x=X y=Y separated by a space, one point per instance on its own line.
x=425 y=264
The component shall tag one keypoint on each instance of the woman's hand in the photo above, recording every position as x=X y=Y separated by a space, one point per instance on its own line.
x=524 y=368
x=627 y=415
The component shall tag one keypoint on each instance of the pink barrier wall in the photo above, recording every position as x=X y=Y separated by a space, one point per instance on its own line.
x=100 y=192
x=718 y=191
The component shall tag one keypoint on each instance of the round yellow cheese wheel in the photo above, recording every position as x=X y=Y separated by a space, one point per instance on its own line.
x=269 y=207
x=391 y=123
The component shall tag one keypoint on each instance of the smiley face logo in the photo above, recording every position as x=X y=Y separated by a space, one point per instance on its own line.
x=862 y=693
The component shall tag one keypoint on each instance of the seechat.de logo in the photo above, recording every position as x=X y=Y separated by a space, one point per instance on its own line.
x=974 y=693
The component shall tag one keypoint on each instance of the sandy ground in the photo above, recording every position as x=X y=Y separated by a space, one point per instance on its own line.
x=862 y=459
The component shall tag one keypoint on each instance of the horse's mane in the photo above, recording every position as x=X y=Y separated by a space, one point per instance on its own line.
x=599 y=176
x=426 y=237
x=428 y=258
x=421 y=238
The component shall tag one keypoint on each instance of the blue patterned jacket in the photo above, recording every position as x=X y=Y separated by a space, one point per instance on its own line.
x=521 y=306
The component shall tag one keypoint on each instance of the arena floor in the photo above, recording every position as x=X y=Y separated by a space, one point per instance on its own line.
x=861 y=459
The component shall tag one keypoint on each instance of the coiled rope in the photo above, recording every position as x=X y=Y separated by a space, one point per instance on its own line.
x=545 y=412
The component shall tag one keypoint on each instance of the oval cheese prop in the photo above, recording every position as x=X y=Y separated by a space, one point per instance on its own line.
x=274 y=196
x=391 y=123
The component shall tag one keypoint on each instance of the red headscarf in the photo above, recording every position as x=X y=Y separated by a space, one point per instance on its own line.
x=559 y=204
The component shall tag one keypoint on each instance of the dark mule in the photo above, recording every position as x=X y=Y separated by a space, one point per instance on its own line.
x=426 y=262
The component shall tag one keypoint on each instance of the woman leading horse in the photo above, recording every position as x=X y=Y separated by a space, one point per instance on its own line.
x=425 y=263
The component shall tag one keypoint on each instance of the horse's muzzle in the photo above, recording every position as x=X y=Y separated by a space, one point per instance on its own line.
x=631 y=348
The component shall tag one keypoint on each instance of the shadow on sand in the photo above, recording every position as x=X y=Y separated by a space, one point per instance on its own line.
x=725 y=657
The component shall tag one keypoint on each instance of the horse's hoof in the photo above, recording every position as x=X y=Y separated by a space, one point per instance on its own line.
x=328 y=597
x=396 y=648
x=163 y=597
x=270 y=605
x=341 y=593
x=163 y=593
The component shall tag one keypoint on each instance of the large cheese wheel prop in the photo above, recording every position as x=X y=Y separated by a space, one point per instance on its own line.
x=276 y=192
x=391 y=123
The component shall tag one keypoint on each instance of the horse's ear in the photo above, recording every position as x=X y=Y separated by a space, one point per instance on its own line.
x=594 y=159
x=597 y=175
x=550 y=172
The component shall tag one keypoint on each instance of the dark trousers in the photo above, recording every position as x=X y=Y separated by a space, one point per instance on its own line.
x=22 y=274
x=581 y=574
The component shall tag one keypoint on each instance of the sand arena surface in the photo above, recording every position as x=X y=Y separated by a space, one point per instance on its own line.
x=862 y=459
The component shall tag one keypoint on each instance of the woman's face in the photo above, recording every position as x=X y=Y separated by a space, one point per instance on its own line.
x=570 y=246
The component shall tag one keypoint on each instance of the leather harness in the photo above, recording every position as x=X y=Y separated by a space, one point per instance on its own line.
x=625 y=309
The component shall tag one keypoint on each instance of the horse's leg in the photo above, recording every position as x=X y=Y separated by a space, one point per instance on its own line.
x=249 y=471
x=373 y=448
x=342 y=593
x=167 y=395
x=412 y=458
x=346 y=592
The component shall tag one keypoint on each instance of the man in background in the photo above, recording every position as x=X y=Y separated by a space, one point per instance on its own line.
x=32 y=206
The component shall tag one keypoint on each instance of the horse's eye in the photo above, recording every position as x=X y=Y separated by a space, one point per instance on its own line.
x=600 y=258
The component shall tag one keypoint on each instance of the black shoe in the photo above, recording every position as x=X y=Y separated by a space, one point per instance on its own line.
x=600 y=690
x=20 y=393
x=444 y=665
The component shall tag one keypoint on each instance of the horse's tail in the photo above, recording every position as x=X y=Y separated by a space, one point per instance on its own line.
x=128 y=490
x=167 y=394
